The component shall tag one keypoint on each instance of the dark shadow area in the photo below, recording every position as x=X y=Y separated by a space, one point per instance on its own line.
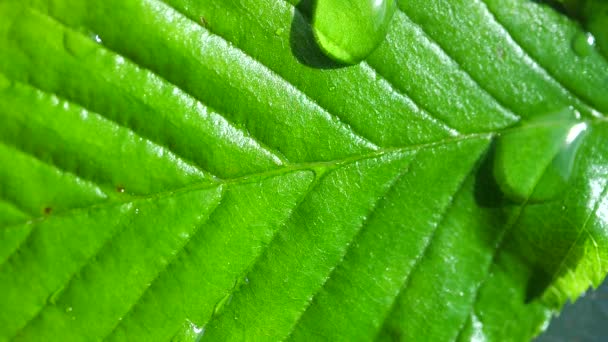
x=487 y=191
x=538 y=283
x=302 y=39
x=556 y=5
x=583 y=321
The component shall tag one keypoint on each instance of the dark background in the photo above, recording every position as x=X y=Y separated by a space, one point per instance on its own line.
x=584 y=321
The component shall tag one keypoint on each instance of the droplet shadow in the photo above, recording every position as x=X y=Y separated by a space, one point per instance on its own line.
x=487 y=191
x=520 y=242
x=302 y=39
x=556 y=5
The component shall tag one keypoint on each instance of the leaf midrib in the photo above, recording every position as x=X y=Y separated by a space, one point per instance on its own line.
x=318 y=166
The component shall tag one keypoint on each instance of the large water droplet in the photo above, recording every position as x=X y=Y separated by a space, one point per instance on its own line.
x=534 y=162
x=349 y=31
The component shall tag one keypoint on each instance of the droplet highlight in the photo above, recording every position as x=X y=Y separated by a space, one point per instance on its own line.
x=189 y=332
x=349 y=31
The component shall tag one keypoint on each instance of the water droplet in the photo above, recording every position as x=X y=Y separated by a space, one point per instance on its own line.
x=189 y=332
x=219 y=306
x=68 y=309
x=478 y=333
x=55 y=295
x=77 y=45
x=349 y=31
x=534 y=162
x=583 y=44
x=594 y=15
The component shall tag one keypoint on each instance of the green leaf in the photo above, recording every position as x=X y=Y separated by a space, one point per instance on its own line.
x=198 y=170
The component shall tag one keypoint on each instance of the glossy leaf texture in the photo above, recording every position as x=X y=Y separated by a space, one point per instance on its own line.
x=198 y=170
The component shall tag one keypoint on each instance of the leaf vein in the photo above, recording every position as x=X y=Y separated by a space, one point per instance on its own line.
x=326 y=113
x=536 y=63
x=273 y=153
x=427 y=246
x=105 y=248
x=582 y=230
x=459 y=66
x=350 y=244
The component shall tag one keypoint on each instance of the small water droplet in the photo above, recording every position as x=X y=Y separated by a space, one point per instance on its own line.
x=55 y=296
x=349 y=31
x=84 y=114
x=221 y=304
x=583 y=44
x=77 y=45
x=478 y=330
x=189 y=332
x=69 y=309
x=199 y=331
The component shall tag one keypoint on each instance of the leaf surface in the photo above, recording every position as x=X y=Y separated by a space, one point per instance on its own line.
x=191 y=170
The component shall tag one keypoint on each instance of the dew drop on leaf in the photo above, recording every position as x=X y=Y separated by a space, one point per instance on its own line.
x=189 y=332
x=219 y=306
x=534 y=162
x=595 y=14
x=349 y=31
x=583 y=44
x=53 y=298
x=78 y=45
x=592 y=15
